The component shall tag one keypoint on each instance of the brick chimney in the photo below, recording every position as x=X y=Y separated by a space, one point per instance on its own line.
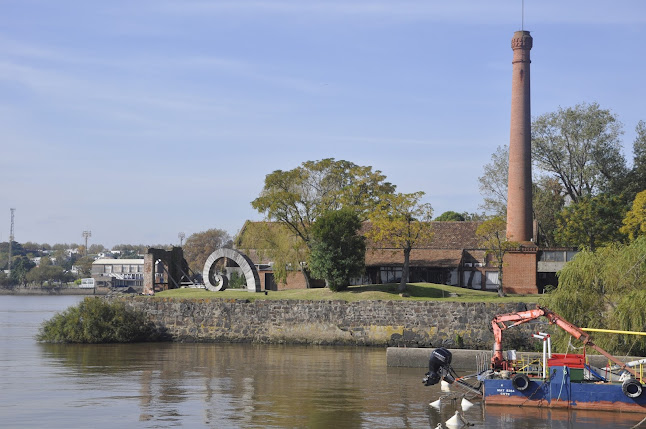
x=519 y=193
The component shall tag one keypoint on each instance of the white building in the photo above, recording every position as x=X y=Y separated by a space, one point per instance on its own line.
x=118 y=272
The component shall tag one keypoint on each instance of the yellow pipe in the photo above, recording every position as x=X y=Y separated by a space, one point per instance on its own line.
x=612 y=331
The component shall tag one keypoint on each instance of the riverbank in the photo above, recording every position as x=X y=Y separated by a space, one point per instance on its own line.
x=369 y=323
x=42 y=291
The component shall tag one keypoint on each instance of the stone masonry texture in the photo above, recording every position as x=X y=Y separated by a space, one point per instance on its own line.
x=371 y=323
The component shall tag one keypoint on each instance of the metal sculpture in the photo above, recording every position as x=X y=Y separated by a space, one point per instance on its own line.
x=215 y=282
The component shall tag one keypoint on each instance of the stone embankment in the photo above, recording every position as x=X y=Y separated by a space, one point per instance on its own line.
x=372 y=323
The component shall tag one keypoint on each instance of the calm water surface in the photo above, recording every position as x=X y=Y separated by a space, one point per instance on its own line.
x=225 y=385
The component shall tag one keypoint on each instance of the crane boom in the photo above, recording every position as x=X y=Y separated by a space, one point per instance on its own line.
x=499 y=324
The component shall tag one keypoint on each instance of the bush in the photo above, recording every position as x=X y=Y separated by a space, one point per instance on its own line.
x=237 y=281
x=94 y=321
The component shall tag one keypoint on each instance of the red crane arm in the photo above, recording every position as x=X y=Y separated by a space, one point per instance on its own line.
x=498 y=324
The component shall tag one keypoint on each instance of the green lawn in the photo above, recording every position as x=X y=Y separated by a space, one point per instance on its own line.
x=417 y=292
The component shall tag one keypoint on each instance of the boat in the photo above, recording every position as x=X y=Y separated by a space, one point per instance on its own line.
x=561 y=381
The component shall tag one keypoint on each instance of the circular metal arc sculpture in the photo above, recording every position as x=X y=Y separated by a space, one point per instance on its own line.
x=215 y=282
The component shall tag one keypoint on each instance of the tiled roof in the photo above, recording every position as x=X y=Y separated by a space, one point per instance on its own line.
x=446 y=235
x=418 y=257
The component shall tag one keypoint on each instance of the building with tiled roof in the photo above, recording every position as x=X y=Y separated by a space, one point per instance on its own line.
x=451 y=257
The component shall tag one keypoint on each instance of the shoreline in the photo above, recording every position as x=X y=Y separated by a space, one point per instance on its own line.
x=53 y=291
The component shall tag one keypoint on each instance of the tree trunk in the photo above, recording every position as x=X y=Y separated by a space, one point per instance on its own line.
x=404 y=280
x=501 y=293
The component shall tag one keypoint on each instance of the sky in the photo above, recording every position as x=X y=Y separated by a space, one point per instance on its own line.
x=138 y=120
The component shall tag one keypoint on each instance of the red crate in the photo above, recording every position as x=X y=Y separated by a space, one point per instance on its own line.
x=571 y=361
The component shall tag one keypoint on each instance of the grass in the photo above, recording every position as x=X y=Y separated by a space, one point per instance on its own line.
x=386 y=292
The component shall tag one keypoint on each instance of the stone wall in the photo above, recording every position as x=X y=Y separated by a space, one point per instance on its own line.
x=378 y=323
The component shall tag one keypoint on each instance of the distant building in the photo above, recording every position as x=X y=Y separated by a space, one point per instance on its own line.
x=118 y=273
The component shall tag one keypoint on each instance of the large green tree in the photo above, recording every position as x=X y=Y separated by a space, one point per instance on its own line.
x=591 y=222
x=492 y=237
x=200 y=245
x=605 y=289
x=401 y=221
x=581 y=147
x=338 y=250
x=296 y=198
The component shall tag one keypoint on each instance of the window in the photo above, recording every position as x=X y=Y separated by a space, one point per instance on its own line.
x=391 y=274
x=552 y=256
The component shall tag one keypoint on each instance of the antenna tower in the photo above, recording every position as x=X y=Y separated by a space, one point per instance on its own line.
x=11 y=239
x=86 y=234
x=181 y=236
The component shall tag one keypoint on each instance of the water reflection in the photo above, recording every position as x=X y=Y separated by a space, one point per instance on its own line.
x=227 y=386
x=244 y=385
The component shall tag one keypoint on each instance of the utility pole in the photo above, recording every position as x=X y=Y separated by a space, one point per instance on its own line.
x=181 y=236
x=86 y=234
x=11 y=240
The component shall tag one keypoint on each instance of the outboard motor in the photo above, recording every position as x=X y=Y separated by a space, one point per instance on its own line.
x=439 y=367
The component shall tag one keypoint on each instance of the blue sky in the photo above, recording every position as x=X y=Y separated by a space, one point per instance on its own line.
x=140 y=119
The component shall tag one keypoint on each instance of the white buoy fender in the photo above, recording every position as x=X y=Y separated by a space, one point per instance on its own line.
x=454 y=421
x=444 y=386
x=435 y=404
x=466 y=404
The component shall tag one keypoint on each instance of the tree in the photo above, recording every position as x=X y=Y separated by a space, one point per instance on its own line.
x=450 y=216
x=130 y=251
x=96 y=248
x=84 y=265
x=492 y=236
x=547 y=203
x=401 y=221
x=634 y=224
x=338 y=251
x=274 y=241
x=20 y=266
x=591 y=222
x=47 y=273
x=605 y=289
x=635 y=181
x=296 y=198
x=493 y=183
x=580 y=146
x=32 y=249
x=200 y=245
x=474 y=217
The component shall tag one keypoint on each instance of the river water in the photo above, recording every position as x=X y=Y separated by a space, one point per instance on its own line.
x=162 y=385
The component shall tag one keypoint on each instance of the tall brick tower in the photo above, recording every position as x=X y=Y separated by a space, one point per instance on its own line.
x=519 y=193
